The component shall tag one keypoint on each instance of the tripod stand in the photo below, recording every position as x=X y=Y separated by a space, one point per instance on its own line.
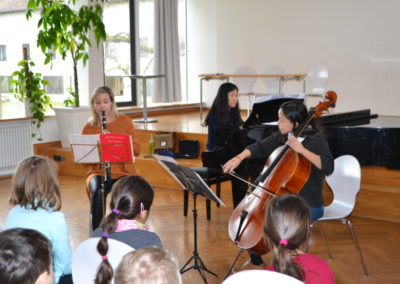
x=198 y=263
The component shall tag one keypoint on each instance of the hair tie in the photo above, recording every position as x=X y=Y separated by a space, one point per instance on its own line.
x=104 y=257
x=141 y=207
x=106 y=235
x=116 y=211
x=283 y=242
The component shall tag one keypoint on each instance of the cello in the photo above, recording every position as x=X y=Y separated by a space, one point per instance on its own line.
x=285 y=172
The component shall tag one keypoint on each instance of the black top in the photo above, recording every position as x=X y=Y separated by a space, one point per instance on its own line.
x=312 y=190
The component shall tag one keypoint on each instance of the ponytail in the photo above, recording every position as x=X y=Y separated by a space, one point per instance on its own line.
x=282 y=262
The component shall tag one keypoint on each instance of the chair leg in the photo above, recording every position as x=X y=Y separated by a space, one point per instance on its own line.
x=185 y=202
x=353 y=233
x=218 y=191
x=208 y=209
x=324 y=239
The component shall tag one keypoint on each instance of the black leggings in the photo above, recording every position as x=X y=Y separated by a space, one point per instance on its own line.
x=96 y=204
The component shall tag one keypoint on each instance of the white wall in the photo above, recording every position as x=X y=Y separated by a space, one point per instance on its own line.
x=356 y=39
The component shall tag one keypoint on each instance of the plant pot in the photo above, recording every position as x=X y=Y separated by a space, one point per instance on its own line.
x=70 y=120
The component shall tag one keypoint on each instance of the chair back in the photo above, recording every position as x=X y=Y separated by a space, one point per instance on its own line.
x=245 y=85
x=86 y=259
x=272 y=84
x=316 y=80
x=260 y=277
x=345 y=183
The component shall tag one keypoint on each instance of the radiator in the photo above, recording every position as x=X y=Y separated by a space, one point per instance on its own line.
x=15 y=144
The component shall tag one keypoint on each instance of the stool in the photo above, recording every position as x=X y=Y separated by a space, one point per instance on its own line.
x=210 y=176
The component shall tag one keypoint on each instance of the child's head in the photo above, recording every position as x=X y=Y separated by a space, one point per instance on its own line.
x=25 y=257
x=287 y=229
x=35 y=184
x=102 y=99
x=148 y=265
x=131 y=198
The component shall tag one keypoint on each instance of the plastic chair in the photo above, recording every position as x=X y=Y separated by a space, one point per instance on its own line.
x=274 y=85
x=86 y=259
x=245 y=84
x=316 y=81
x=345 y=184
x=260 y=277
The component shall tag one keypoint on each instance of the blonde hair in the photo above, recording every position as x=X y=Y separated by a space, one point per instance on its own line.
x=35 y=184
x=151 y=265
x=95 y=119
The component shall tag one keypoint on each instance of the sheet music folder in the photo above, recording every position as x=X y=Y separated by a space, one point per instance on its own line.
x=187 y=178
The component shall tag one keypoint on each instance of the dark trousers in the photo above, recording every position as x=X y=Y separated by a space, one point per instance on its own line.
x=96 y=201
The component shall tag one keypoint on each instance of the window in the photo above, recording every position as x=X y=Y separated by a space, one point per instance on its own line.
x=28 y=50
x=5 y=84
x=55 y=86
x=3 y=53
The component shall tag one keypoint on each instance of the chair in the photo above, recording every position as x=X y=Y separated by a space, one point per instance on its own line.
x=273 y=85
x=316 y=81
x=210 y=176
x=86 y=259
x=245 y=84
x=260 y=277
x=345 y=184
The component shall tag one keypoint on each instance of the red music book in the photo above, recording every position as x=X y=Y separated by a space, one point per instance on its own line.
x=116 y=148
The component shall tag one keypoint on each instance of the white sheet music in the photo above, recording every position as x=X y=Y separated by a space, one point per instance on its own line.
x=85 y=148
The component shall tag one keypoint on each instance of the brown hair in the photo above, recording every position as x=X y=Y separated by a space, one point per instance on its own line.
x=95 y=119
x=35 y=184
x=148 y=265
x=287 y=218
x=127 y=195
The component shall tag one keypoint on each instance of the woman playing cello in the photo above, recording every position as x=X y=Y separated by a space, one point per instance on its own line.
x=312 y=145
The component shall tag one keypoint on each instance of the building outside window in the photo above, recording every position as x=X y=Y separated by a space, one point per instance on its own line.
x=3 y=53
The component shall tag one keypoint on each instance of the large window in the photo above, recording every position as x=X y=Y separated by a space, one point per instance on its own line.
x=126 y=55
x=3 y=53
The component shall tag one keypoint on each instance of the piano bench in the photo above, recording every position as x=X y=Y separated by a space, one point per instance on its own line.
x=210 y=176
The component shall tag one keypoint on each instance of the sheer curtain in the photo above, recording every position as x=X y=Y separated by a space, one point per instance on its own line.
x=166 y=52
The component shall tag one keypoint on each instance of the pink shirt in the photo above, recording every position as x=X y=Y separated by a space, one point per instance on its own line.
x=316 y=270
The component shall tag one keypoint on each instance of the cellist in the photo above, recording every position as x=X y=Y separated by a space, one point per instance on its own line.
x=312 y=145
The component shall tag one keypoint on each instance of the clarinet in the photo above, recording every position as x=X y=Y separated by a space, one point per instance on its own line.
x=104 y=130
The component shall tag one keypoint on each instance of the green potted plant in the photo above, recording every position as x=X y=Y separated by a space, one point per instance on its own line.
x=64 y=29
x=29 y=88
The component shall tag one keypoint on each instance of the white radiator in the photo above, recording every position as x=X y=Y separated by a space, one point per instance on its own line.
x=15 y=144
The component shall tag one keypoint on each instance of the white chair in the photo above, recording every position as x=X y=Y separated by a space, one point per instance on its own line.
x=316 y=81
x=345 y=184
x=245 y=84
x=260 y=277
x=86 y=259
x=273 y=85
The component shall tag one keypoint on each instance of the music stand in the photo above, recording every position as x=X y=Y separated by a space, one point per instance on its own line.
x=101 y=149
x=191 y=181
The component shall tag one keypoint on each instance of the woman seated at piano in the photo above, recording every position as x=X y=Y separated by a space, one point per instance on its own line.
x=313 y=146
x=225 y=113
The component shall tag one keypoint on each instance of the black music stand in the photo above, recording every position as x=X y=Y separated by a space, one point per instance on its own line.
x=191 y=181
x=101 y=149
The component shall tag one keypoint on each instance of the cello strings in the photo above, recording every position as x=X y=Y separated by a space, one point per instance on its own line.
x=249 y=183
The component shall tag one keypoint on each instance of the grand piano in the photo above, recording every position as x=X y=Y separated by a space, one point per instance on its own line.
x=374 y=140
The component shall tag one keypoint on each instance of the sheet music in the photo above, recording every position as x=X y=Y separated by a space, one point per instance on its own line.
x=84 y=148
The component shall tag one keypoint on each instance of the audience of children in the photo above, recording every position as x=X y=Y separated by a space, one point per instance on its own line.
x=25 y=257
x=148 y=265
x=37 y=200
x=131 y=199
x=287 y=233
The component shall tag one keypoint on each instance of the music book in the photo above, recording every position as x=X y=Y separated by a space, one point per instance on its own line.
x=187 y=178
x=110 y=147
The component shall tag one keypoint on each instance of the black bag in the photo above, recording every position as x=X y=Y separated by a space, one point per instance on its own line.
x=188 y=149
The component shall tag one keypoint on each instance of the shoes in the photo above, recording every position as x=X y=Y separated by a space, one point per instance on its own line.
x=249 y=266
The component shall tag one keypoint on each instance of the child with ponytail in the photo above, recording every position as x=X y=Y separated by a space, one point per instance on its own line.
x=131 y=199
x=287 y=233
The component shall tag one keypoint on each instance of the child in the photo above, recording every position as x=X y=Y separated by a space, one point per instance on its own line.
x=25 y=257
x=131 y=199
x=148 y=265
x=287 y=233
x=37 y=200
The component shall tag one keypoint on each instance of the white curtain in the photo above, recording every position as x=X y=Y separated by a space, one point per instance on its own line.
x=166 y=52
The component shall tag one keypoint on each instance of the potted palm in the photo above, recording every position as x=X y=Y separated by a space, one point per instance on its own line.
x=64 y=29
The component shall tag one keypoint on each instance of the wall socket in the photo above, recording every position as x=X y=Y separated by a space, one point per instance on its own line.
x=58 y=158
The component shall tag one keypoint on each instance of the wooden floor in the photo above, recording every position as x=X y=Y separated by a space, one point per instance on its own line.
x=379 y=240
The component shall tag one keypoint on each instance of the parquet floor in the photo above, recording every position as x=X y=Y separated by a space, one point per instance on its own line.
x=378 y=239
